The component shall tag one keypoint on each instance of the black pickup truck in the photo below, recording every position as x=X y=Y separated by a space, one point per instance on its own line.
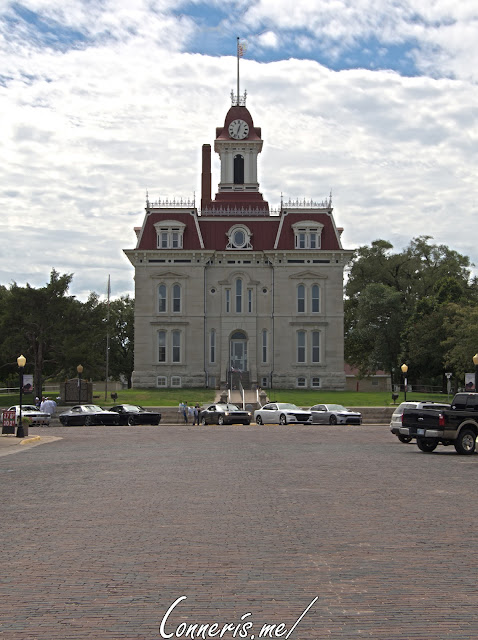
x=457 y=425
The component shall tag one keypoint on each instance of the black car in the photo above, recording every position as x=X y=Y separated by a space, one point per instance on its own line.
x=88 y=414
x=224 y=414
x=134 y=414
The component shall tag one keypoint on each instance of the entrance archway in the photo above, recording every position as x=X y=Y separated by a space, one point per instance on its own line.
x=238 y=351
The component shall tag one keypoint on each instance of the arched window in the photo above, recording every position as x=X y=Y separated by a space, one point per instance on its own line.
x=301 y=298
x=300 y=346
x=238 y=169
x=161 y=346
x=176 y=298
x=315 y=346
x=238 y=295
x=315 y=298
x=176 y=346
x=212 y=355
x=162 y=298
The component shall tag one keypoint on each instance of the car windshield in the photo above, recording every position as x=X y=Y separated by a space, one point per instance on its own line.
x=132 y=408
x=336 y=407
x=287 y=405
x=93 y=408
x=29 y=407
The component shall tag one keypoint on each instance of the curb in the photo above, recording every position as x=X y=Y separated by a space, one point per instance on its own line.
x=30 y=439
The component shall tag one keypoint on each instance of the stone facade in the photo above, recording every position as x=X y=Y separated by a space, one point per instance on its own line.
x=235 y=291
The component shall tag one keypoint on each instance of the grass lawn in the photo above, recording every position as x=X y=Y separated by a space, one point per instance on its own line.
x=301 y=397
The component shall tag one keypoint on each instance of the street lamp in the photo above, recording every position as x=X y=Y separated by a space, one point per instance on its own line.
x=21 y=361
x=475 y=362
x=79 y=368
x=404 y=369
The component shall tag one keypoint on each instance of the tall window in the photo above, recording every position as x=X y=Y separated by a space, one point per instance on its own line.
x=301 y=346
x=176 y=346
x=264 y=345
x=162 y=346
x=176 y=298
x=249 y=300
x=162 y=298
x=212 y=354
x=238 y=295
x=315 y=298
x=228 y=300
x=301 y=298
x=238 y=169
x=315 y=346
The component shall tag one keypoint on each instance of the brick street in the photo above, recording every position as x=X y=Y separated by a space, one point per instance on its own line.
x=105 y=528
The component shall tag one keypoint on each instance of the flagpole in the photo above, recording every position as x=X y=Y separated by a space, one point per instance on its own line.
x=237 y=71
x=107 y=339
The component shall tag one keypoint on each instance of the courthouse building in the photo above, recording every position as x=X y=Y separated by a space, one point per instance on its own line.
x=235 y=290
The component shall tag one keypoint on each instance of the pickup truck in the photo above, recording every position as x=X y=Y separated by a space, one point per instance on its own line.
x=457 y=425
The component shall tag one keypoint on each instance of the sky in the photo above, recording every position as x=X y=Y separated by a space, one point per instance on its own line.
x=101 y=102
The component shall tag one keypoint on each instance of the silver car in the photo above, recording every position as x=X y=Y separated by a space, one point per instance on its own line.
x=396 y=421
x=38 y=418
x=281 y=413
x=334 y=414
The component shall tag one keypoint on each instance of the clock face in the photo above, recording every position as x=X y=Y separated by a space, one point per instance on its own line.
x=238 y=129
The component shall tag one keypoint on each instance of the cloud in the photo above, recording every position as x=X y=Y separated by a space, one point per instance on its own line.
x=92 y=124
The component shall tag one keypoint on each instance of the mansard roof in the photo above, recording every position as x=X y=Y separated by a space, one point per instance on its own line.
x=268 y=232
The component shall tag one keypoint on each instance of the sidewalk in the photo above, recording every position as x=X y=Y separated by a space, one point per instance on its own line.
x=11 y=440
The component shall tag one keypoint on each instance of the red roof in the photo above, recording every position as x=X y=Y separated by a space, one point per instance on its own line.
x=263 y=229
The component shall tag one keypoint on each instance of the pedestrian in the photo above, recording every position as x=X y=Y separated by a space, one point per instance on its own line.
x=184 y=407
x=196 y=413
x=191 y=413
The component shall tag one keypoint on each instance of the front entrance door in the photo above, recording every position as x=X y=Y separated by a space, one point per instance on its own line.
x=238 y=352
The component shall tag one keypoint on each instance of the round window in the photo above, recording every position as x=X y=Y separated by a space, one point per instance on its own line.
x=239 y=238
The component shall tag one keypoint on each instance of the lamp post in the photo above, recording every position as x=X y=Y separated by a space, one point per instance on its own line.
x=404 y=369
x=79 y=369
x=21 y=361
x=475 y=362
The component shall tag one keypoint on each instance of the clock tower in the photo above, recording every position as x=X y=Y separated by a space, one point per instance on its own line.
x=238 y=143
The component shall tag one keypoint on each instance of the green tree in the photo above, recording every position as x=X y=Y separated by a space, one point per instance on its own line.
x=426 y=278
x=121 y=331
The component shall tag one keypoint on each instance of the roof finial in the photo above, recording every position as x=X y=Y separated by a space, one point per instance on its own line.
x=147 y=198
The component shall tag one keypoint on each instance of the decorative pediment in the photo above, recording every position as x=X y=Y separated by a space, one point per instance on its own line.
x=169 y=275
x=307 y=275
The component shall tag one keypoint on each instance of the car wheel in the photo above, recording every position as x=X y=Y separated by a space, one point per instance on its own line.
x=220 y=420
x=203 y=421
x=466 y=442
x=248 y=422
x=131 y=420
x=259 y=420
x=88 y=421
x=282 y=419
x=65 y=422
x=404 y=439
x=427 y=445
x=332 y=420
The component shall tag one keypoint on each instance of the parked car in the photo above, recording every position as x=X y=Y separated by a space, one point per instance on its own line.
x=224 y=414
x=281 y=413
x=88 y=414
x=135 y=414
x=38 y=418
x=334 y=414
x=396 y=420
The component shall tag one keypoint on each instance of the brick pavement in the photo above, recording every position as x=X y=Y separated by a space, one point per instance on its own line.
x=104 y=529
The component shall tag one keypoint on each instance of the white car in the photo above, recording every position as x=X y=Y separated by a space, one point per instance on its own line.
x=281 y=413
x=396 y=421
x=334 y=414
x=38 y=418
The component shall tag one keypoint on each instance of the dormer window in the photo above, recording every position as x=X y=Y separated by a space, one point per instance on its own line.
x=307 y=234
x=169 y=234
x=239 y=237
